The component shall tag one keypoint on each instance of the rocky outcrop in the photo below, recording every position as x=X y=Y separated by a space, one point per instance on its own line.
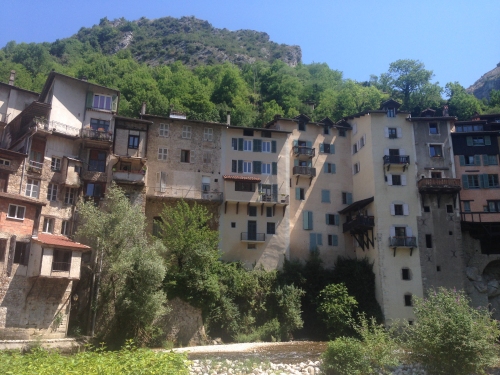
x=489 y=81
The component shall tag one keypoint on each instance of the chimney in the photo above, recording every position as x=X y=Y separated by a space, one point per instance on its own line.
x=143 y=108
x=12 y=77
x=228 y=118
x=445 y=111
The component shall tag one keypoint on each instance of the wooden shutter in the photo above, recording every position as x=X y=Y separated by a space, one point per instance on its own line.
x=325 y=196
x=305 y=218
x=319 y=239
x=393 y=231
x=274 y=167
x=90 y=99
x=273 y=147
x=386 y=151
x=406 y=210
x=334 y=168
x=332 y=149
x=465 y=181
x=487 y=140
x=295 y=163
x=461 y=158
x=257 y=167
x=469 y=141
x=325 y=167
x=389 y=179
x=403 y=180
x=477 y=159
x=257 y=145
x=240 y=144
x=399 y=132
x=402 y=151
x=240 y=166
x=409 y=232
x=312 y=241
x=297 y=193
x=337 y=219
x=349 y=198
x=393 y=210
x=486 y=160
x=386 y=132
x=335 y=240
x=274 y=191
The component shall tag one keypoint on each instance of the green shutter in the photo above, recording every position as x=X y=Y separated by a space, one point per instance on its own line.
x=487 y=140
x=469 y=141
x=240 y=144
x=274 y=191
x=114 y=105
x=257 y=145
x=297 y=193
x=274 y=167
x=309 y=144
x=273 y=147
x=305 y=218
x=326 y=218
x=240 y=166
x=483 y=181
x=465 y=181
x=319 y=239
x=334 y=168
x=310 y=164
x=90 y=98
x=335 y=240
x=310 y=213
x=257 y=167
x=477 y=159
x=325 y=167
x=312 y=242
x=337 y=219
x=260 y=187
x=349 y=198
x=493 y=159
x=332 y=149
x=462 y=159
x=486 y=160
x=321 y=147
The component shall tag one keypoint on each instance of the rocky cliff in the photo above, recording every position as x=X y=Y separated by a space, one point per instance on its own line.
x=489 y=81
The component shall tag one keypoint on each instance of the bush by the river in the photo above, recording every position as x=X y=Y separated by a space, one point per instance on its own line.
x=127 y=361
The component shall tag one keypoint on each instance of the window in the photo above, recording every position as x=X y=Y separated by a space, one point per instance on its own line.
x=354 y=148
x=52 y=192
x=271 y=228
x=326 y=148
x=392 y=133
x=102 y=102
x=300 y=194
x=61 y=260
x=208 y=134
x=157 y=221
x=248 y=132
x=94 y=190
x=490 y=159
x=325 y=196
x=233 y=224
x=234 y=144
x=354 y=128
x=436 y=151
x=396 y=179
x=342 y=133
x=266 y=146
x=186 y=132
x=252 y=211
x=333 y=240
x=269 y=212
x=428 y=241
x=492 y=180
x=427 y=209
x=467 y=159
x=326 y=130
x=55 y=164
x=266 y=134
x=66 y=228
x=391 y=112
x=247 y=167
x=400 y=231
x=466 y=206
x=266 y=168
x=244 y=186
x=468 y=128
x=329 y=168
x=346 y=198
x=247 y=145
x=69 y=195
x=48 y=225
x=32 y=188
x=162 y=153
x=362 y=141
x=133 y=142
x=356 y=168
x=97 y=161
x=405 y=274
x=307 y=220
x=398 y=209
x=408 y=300
x=99 y=125
x=436 y=175
x=472 y=181
x=5 y=162
x=207 y=157
x=302 y=126
x=394 y=152
x=315 y=240
x=251 y=246
x=164 y=130
x=449 y=208
x=433 y=128
x=332 y=219
x=22 y=253
x=185 y=156
x=234 y=166
x=478 y=141
x=493 y=206
x=16 y=212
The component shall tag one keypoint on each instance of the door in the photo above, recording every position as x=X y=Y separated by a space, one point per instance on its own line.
x=252 y=230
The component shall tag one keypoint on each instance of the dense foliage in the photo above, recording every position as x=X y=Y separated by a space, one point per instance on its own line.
x=158 y=67
x=127 y=361
x=451 y=337
x=337 y=307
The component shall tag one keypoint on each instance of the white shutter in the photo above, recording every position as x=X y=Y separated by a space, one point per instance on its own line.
x=400 y=132
x=402 y=151
x=393 y=210
x=406 y=212
x=389 y=179
x=409 y=232
x=386 y=151
x=393 y=232
x=403 y=180
x=386 y=132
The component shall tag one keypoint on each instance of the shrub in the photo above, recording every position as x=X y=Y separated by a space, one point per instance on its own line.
x=336 y=307
x=451 y=337
x=345 y=356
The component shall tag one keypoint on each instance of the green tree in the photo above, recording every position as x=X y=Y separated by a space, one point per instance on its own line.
x=337 y=308
x=449 y=336
x=129 y=268
x=461 y=104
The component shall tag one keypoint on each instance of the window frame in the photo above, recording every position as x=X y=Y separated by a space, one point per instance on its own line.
x=16 y=212
x=247 y=145
x=66 y=228
x=97 y=123
x=55 y=164
x=186 y=132
x=433 y=148
x=266 y=146
x=273 y=228
x=136 y=141
x=208 y=134
x=247 y=167
x=52 y=192
x=164 y=130
x=162 y=153
x=433 y=125
x=31 y=192
x=244 y=186
x=48 y=225
x=266 y=168
x=105 y=102
x=185 y=156
x=97 y=165
x=69 y=195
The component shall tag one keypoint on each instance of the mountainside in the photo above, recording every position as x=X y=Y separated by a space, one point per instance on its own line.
x=489 y=81
x=188 y=39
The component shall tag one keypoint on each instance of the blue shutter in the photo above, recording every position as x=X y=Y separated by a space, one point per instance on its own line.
x=469 y=141
x=335 y=240
x=325 y=196
x=486 y=160
x=465 y=181
x=332 y=149
x=321 y=147
x=309 y=144
x=493 y=159
x=297 y=193
x=319 y=239
x=462 y=159
x=310 y=164
x=274 y=167
x=273 y=147
x=477 y=159
x=240 y=166
x=325 y=167
x=334 y=168
x=305 y=218
x=483 y=181
x=295 y=142
x=349 y=198
x=337 y=219
x=487 y=140
x=240 y=144
x=312 y=241
x=310 y=213
x=327 y=219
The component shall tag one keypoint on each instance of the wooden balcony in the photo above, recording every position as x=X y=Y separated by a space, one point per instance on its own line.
x=303 y=151
x=359 y=224
x=304 y=171
x=253 y=237
x=439 y=185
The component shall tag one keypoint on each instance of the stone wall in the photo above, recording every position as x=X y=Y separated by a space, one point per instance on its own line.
x=184 y=325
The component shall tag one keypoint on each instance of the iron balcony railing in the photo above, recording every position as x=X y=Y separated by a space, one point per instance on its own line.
x=360 y=222
x=257 y=237
x=398 y=241
x=439 y=183
x=61 y=266
x=303 y=150
x=304 y=171
x=97 y=135
x=396 y=159
x=274 y=198
x=35 y=166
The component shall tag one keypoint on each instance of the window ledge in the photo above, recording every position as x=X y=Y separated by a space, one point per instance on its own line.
x=15 y=218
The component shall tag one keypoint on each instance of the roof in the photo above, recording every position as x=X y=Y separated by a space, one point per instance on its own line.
x=20 y=89
x=133 y=119
x=22 y=198
x=357 y=205
x=59 y=241
x=11 y=153
x=167 y=118
x=241 y=178
x=438 y=118
x=361 y=114
x=390 y=103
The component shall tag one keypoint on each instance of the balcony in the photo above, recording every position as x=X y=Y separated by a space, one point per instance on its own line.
x=130 y=177
x=359 y=224
x=396 y=159
x=308 y=152
x=171 y=192
x=59 y=127
x=403 y=241
x=34 y=166
x=274 y=198
x=61 y=266
x=439 y=185
x=97 y=135
x=304 y=171
x=253 y=237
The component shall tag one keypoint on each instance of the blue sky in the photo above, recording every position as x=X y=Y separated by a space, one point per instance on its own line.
x=459 y=40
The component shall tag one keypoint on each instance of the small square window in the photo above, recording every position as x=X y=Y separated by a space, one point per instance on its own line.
x=396 y=179
x=450 y=233
x=271 y=228
x=342 y=133
x=269 y=212
x=436 y=175
x=427 y=209
x=266 y=134
x=408 y=299
x=233 y=224
x=466 y=206
x=405 y=273
x=133 y=142
x=326 y=130
x=393 y=133
x=208 y=134
x=436 y=151
x=433 y=128
x=248 y=132
x=438 y=268
x=252 y=211
x=302 y=126
x=185 y=156
x=398 y=209
x=449 y=208
x=252 y=246
x=5 y=162
x=16 y=212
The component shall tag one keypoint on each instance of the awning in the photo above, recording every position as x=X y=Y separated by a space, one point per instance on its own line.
x=356 y=206
x=241 y=178
x=60 y=242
